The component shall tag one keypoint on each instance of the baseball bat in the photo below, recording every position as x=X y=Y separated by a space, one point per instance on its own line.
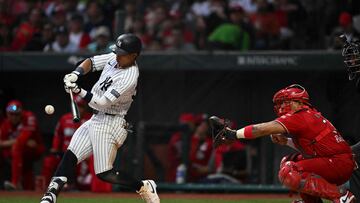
x=74 y=108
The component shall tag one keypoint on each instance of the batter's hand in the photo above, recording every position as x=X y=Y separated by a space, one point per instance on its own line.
x=71 y=78
x=279 y=139
x=74 y=88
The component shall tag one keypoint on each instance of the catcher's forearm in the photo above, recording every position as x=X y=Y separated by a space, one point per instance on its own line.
x=259 y=130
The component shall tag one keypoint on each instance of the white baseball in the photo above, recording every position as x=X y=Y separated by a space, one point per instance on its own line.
x=49 y=109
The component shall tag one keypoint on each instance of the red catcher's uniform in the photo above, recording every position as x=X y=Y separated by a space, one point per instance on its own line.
x=22 y=156
x=324 y=153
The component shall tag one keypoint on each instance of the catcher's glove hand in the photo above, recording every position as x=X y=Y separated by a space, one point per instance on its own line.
x=220 y=132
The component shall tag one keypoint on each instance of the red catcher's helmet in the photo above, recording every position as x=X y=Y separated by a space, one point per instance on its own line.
x=283 y=97
x=14 y=106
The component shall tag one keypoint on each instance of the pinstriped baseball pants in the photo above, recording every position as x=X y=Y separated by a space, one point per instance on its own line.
x=101 y=136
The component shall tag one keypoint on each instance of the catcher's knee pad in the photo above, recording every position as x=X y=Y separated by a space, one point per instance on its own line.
x=290 y=176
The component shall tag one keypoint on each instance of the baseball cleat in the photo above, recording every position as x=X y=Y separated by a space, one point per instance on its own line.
x=298 y=201
x=148 y=192
x=54 y=188
x=48 y=198
x=9 y=186
x=348 y=197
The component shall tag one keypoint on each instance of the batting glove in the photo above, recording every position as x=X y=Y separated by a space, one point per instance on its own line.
x=74 y=88
x=71 y=78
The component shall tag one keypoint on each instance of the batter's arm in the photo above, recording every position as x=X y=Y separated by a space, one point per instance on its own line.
x=84 y=67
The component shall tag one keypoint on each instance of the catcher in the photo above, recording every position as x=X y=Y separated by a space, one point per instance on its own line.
x=325 y=160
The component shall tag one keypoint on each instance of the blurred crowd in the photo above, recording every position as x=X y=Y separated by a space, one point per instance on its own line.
x=184 y=25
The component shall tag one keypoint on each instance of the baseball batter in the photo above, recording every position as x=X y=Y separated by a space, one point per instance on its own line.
x=105 y=132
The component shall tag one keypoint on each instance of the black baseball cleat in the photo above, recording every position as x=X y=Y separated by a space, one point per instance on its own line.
x=48 y=198
x=56 y=184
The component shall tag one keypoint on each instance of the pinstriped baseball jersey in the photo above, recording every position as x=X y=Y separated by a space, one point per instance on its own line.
x=103 y=134
x=116 y=84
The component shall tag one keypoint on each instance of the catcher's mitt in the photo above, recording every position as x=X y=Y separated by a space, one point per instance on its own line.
x=219 y=132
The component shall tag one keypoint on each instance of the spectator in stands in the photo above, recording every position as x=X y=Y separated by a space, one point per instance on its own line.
x=61 y=43
x=96 y=18
x=48 y=34
x=77 y=35
x=218 y=11
x=139 y=29
x=249 y=6
x=58 y=15
x=267 y=26
x=25 y=32
x=231 y=35
x=102 y=40
x=200 y=153
x=282 y=10
x=130 y=15
x=175 y=144
x=345 y=27
x=21 y=143
x=176 y=41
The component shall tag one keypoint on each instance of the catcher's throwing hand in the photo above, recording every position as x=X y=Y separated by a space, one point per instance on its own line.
x=279 y=139
x=221 y=133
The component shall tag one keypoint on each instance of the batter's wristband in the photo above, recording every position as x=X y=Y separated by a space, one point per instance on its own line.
x=79 y=71
x=88 y=96
x=248 y=134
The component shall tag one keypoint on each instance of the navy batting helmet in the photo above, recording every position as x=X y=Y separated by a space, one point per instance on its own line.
x=126 y=44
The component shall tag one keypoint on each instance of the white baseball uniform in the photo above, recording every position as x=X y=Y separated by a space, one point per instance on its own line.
x=104 y=133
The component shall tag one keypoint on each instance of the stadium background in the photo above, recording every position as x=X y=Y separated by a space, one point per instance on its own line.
x=201 y=77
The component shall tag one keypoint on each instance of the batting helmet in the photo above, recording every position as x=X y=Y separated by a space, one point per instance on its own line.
x=126 y=44
x=351 y=53
x=283 y=97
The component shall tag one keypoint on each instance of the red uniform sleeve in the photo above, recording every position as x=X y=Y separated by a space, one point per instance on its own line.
x=293 y=123
x=58 y=139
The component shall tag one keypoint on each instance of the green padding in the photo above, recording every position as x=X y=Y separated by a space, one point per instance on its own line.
x=192 y=187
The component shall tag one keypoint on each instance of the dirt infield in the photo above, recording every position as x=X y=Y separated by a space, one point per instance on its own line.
x=163 y=195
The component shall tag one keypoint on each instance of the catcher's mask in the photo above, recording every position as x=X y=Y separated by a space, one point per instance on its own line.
x=283 y=97
x=351 y=53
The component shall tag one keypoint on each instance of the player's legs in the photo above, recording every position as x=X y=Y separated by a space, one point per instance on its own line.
x=317 y=177
x=79 y=149
x=107 y=136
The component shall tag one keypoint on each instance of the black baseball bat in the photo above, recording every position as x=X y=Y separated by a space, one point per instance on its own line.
x=74 y=108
